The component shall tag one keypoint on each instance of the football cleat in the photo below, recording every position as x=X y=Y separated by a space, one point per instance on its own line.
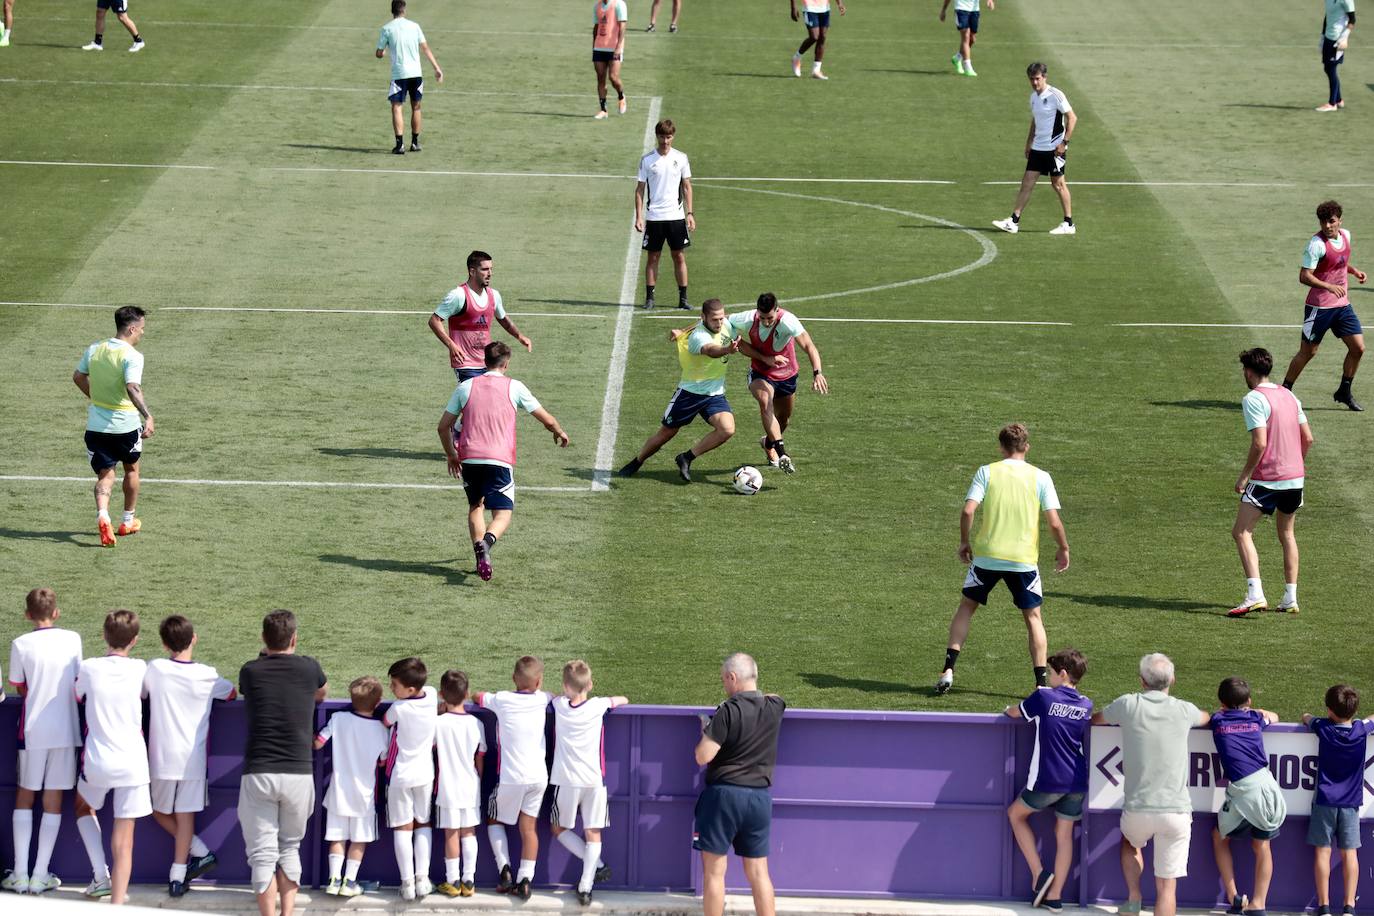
x=650 y=27
x=93 y=46
x=136 y=47
x=602 y=874
x=1064 y=229
x=447 y=889
x=98 y=888
x=1287 y=608
x=350 y=889
x=601 y=115
x=1343 y=396
x=958 y=63
x=1238 y=904
x=505 y=882
x=785 y=462
x=466 y=889
x=796 y=65
x=42 y=885
x=423 y=887
x=408 y=890
x=521 y=889
x=945 y=682
x=332 y=889
x=483 y=561
x=968 y=70
x=622 y=105
x=1007 y=225
x=107 y=535
x=672 y=26
x=1247 y=607
x=584 y=898
x=128 y=528
x=178 y=889
x=415 y=146
x=818 y=75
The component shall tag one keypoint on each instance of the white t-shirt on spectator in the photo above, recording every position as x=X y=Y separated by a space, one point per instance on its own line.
x=459 y=738
x=412 y=738
x=45 y=661
x=179 y=698
x=578 y=758
x=359 y=743
x=521 y=750
x=115 y=754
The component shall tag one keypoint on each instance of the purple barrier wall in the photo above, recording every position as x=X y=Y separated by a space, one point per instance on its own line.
x=865 y=804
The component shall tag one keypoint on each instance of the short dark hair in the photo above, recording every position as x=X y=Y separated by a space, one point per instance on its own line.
x=528 y=670
x=1327 y=209
x=495 y=354
x=411 y=672
x=477 y=257
x=365 y=693
x=1258 y=360
x=1071 y=663
x=1014 y=437
x=453 y=687
x=1233 y=692
x=398 y=7
x=665 y=127
x=126 y=315
x=176 y=632
x=1037 y=68
x=710 y=305
x=767 y=302
x=120 y=628
x=40 y=604
x=277 y=629
x=1343 y=700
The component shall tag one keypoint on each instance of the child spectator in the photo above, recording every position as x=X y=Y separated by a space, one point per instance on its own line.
x=410 y=773
x=462 y=744
x=43 y=668
x=520 y=717
x=114 y=760
x=180 y=693
x=360 y=745
x=579 y=772
x=1058 y=775
x=1254 y=803
x=1335 y=820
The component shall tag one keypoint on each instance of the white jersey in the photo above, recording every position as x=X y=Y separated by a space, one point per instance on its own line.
x=459 y=738
x=1048 y=109
x=359 y=744
x=179 y=698
x=45 y=662
x=410 y=761
x=578 y=742
x=663 y=177
x=114 y=755
x=520 y=746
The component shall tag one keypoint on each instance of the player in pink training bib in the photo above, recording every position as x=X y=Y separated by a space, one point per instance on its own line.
x=462 y=321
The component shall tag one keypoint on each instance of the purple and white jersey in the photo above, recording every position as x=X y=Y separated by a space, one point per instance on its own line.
x=1239 y=738
x=1340 y=762
x=1062 y=717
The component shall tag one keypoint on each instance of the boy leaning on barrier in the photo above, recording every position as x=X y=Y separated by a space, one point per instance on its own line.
x=1335 y=820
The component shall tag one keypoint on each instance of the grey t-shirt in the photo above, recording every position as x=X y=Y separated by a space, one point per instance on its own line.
x=1154 y=744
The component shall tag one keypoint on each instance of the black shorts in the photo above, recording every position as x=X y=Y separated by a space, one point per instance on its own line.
x=399 y=89
x=115 y=6
x=1270 y=501
x=672 y=231
x=1024 y=586
x=1330 y=53
x=1046 y=162
x=602 y=57
x=738 y=816
x=489 y=484
x=782 y=388
x=109 y=449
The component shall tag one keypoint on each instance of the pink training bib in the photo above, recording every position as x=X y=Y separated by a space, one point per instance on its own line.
x=789 y=350
x=1331 y=269
x=470 y=329
x=1282 y=458
x=488 y=430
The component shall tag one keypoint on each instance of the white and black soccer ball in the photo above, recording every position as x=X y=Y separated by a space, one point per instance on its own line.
x=748 y=480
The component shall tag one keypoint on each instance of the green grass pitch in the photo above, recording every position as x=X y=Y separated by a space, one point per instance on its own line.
x=275 y=191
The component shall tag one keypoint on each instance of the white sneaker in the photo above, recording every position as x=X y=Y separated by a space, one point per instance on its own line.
x=969 y=71
x=423 y=887
x=136 y=47
x=44 y=884
x=818 y=75
x=796 y=65
x=92 y=46
x=1064 y=229
x=98 y=888
x=332 y=889
x=601 y=116
x=1007 y=225
x=17 y=883
x=408 y=889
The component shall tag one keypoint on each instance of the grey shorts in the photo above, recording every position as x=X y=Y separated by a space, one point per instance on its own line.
x=1339 y=827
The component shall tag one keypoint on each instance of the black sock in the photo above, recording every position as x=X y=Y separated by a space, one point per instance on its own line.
x=1288 y=383
x=99 y=38
x=777 y=446
x=620 y=95
x=137 y=39
x=400 y=138
x=1016 y=217
x=1346 y=382
x=414 y=137
x=490 y=539
x=603 y=103
x=1041 y=676
x=687 y=456
x=1068 y=220
x=951 y=657
x=682 y=293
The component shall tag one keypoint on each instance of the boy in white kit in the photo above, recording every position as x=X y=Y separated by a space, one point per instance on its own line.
x=520 y=716
x=410 y=773
x=360 y=745
x=579 y=774
x=462 y=744
x=43 y=668
x=114 y=761
x=180 y=693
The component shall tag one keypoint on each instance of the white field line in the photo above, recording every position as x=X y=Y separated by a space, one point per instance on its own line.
x=307 y=311
x=620 y=347
x=110 y=165
x=313 y=484
x=1188 y=324
x=807 y=319
x=1170 y=184
x=272 y=87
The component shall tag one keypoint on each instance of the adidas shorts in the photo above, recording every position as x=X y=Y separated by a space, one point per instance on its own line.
x=589 y=801
x=509 y=801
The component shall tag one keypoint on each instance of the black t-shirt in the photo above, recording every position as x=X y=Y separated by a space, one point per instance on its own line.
x=280 y=694
x=746 y=728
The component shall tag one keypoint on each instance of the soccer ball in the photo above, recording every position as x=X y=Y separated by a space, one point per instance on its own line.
x=748 y=480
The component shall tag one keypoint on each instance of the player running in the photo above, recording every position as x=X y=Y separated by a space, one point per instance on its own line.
x=816 y=18
x=769 y=336
x=608 y=48
x=1047 y=148
x=462 y=321
x=701 y=351
x=406 y=40
x=1325 y=265
x=966 y=16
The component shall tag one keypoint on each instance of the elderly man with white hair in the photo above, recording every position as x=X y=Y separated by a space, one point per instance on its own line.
x=1154 y=745
x=739 y=748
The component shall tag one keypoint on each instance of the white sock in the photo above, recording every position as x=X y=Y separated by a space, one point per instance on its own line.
x=424 y=840
x=573 y=843
x=198 y=847
x=589 y=864
x=102 y=515
x=469 y=846
x=1290 y=596
x=815 y=65
x=351 y=869
x=89 y=828
x=47 y=841
x=526 y=870
x=178 y=873
x=453 y=871
x=336 y=861
x=1253 y=590
x=128 y=516
x=404 y=843
x=500 y=846
x=23 y=833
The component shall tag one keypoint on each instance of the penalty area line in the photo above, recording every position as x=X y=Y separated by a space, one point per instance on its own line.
x=303 y=484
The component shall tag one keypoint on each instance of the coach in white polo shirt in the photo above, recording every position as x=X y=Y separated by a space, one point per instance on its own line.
x=665 y=178
x=1047 y=148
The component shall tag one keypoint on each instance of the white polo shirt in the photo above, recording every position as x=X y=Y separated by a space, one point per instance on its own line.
x=577 y=746
x=520 y=721
x=360 y=743
x=412 y=737
x=662 y=177
x=1048 y=109
x=459 y=738
x=114 y=755
x=179 y=698
x=45 y=662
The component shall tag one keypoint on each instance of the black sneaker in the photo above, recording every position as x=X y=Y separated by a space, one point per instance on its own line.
x=176 y=888
x=399 y=149
x=522 y=890
x=1054 y=906
x=603 y=874
x=1343 y=396
x=684 y=466
x=684 y=305
x=1041 y=887
x=648 y=302
x=506 y=883
x=1347 y=910
x=1238 y=905
x=650 y=27
x=1322 y=910
x=584 y=898
x=415 y=146
x=199 y=865
x=630 y=469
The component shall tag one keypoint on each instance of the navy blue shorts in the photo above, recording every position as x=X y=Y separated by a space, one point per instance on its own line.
x=413 y=86
x=1024 y=586
x=1341 y=321
x=109 y=449
x=464 y=374
x=115 y=6
x=781 y=389
x=684 y=407
x=967 y=19
x=733 y=816
x=602 y=57
x=1269 y=501
x=816 y=20
x=489 y=483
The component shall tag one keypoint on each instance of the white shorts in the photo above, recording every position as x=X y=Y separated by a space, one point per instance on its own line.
x=1171 y=832
x=412 y=803
x=179 y=796
x=590 y=801
x=47 y=768
x=454 y=818
x=509 y=801
x=338 y=827
x=129 y=801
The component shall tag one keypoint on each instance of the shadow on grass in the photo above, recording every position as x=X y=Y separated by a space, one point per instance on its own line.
x=75 y=538
x=823 y=681
x=407 y=454
x=1200 y=404
x=441 y=568
x=1145 y=603
x=338 y=149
